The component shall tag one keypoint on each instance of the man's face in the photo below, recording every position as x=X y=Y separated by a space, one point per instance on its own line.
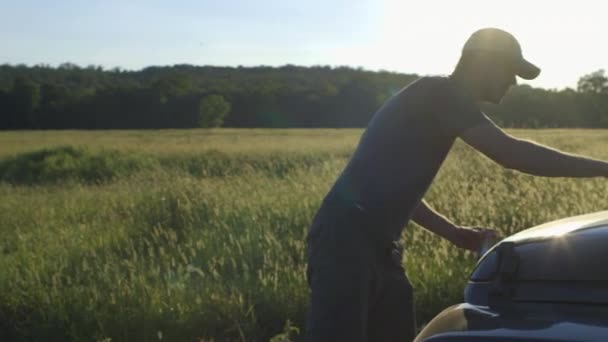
x=498 y=77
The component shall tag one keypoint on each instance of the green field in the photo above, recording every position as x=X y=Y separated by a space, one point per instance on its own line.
x=184 y=235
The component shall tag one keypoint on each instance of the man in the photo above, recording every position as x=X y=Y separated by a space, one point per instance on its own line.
x=359 y=290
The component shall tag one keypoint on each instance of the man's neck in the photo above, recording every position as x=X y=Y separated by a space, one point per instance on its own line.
x=467 y=83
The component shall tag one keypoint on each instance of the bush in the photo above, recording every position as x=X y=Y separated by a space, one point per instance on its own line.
x=68 y=163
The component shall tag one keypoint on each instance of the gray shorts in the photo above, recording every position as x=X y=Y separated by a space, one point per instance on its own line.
x=359 y=289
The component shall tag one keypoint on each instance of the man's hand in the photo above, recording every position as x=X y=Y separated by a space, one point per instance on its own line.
x=470 y=238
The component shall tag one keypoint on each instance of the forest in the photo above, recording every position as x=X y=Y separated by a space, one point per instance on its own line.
x=186 y=96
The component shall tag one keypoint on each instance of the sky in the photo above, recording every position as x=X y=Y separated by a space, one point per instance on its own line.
x=566 y=39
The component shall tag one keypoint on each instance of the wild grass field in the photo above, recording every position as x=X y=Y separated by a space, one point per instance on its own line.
x=198 y=235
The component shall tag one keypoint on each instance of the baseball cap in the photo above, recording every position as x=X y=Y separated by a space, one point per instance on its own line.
x=500 y=41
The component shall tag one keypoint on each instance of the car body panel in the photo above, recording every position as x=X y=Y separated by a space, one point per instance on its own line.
x=517 y=324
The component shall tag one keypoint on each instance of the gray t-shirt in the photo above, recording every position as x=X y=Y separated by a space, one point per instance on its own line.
x=401 y=151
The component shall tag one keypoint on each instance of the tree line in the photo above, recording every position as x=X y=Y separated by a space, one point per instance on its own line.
x=186 y=96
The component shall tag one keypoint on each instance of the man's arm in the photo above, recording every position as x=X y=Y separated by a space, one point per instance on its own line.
x=428 y=218
x=468 y=238
x=529 y=157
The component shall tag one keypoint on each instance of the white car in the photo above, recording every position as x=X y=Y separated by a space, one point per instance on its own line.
x=547 y=283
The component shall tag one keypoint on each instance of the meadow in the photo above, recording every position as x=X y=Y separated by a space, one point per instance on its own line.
x=198 y=235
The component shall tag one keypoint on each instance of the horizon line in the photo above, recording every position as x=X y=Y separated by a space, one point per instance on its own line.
x=250 y=66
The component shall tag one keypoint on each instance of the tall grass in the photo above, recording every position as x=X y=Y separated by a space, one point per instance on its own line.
x=183 y=241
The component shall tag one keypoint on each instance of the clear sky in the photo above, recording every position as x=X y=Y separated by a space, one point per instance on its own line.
x=565 y=38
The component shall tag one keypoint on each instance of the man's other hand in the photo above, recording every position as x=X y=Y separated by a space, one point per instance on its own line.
x=471 y=238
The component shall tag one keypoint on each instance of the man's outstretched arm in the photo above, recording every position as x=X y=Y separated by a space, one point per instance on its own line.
x=463 y=237
x=529 y=157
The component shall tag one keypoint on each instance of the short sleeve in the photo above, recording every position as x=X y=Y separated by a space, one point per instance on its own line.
x=455 y=112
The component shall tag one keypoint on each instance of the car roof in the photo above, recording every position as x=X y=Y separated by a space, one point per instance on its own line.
x=561 y=227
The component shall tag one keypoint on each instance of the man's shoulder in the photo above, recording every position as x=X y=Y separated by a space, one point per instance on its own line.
x=449 y=91
x=432 y=84
x=435 y=80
